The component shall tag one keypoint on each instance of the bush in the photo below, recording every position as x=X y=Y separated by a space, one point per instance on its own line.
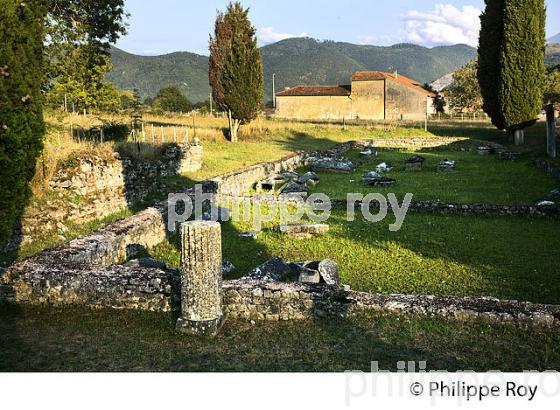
x=170 y=99
x=116 y=131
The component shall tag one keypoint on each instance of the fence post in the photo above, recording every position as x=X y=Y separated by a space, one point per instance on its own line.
x=201 y=278
x=550 y=132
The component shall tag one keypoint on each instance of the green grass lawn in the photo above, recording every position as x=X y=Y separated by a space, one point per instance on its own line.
x=506 y=257
x=477 y=179
x=47 y=339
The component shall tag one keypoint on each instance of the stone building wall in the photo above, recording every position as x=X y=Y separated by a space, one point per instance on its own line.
x=403 y=102
x=368 y=100
x=314 y=107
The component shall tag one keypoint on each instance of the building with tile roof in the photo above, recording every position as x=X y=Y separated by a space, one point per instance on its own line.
x=373 y=95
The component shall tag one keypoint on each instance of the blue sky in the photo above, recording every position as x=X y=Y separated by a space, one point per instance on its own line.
x=163 y=26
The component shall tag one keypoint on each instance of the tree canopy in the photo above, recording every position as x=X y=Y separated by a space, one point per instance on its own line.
x=172 y=100
x=78 y=38
x=464 y=94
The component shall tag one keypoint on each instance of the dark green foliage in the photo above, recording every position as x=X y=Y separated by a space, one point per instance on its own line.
x=522 y=62
x=511 y=61
x=295 y=61
x=21 y=116
x=115 y=131
x=491 y=35
x=170 y=99
x=235 y=67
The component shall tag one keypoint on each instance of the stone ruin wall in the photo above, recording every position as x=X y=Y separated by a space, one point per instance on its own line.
x=86 y=272
x=103 y=187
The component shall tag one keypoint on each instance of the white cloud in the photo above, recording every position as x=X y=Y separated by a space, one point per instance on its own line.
x=446 y=24
x=269 y=35
x=385 y=40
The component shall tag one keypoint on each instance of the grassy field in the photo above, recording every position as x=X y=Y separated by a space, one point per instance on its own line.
x=51 y=339
x=477 y=179
x=504 y=257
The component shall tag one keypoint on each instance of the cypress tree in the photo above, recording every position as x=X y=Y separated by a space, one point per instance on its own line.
x=21 y=116
x=235 y=68
x=511 y=70
x=491 y=37
x=522 y=67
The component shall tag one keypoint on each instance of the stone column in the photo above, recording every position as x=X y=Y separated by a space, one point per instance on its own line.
x=201 y=278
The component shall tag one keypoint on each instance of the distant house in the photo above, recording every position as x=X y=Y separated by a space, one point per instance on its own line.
x=373 y=95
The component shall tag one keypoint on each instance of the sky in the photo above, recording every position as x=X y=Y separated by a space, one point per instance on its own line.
x=164 y=26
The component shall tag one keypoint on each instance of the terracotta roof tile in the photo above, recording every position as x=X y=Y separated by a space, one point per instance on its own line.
x=380 y=75
x=315 y=90
x=334 y=91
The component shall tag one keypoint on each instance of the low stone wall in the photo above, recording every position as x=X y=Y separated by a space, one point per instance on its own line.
x=240 y=182
x=471 y=209
x=553 y=170
x=282 y=301
x=159 y=290
x=96 y=187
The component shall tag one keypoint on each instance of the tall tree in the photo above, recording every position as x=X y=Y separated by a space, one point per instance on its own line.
x=511 y=63
x=21 y=116
x=488 y=72
x=235 y=68
x=522 y=68
x=464 y=94
x=79 y=35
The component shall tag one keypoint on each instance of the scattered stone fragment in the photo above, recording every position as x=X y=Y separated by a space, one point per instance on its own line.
x=303 y=230
x=307 y=275
x=368 y=153
x=289 y=175
x=325 y=271
x=554 y=194
x=252 y=235
x=484 y=150
x=414 y=163
x=146 y=263
x=227 y=267
x=384 y=167
x=545 y=203
x=309 y=176
x=271 y=184
x=446 y=165
x=328 y=269
x=507 y=155
x=331 y=164
x=274 y=270
x=293 y=187
x=376 y=179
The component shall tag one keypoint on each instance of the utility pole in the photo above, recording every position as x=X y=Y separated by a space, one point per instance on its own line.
x=274 y=90
x=211 y=108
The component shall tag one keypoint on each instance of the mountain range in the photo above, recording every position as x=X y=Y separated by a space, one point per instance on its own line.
x=297 y=61
x=554 y=39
